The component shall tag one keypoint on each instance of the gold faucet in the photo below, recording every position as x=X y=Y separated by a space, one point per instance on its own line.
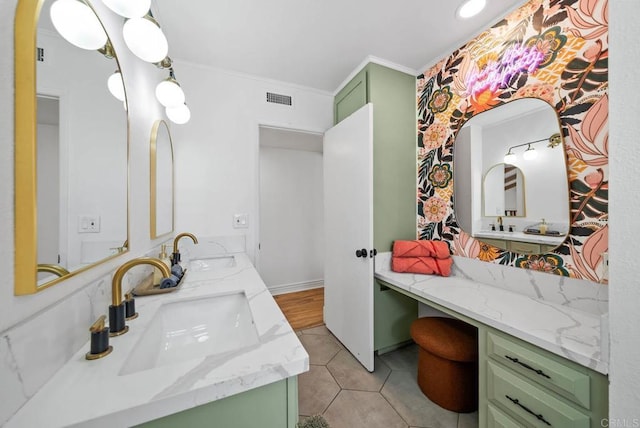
x=175 y=257
x=500 y=223
x=52 y=268
x=117 y=309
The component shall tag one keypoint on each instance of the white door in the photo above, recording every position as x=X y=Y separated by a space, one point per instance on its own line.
x=348 y=214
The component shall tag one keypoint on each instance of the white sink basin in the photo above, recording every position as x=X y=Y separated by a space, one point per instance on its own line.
x=180 y=331
x=211 y=263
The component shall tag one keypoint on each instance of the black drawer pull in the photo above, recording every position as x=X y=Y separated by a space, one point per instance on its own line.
x=526 y=409
x=527 y=366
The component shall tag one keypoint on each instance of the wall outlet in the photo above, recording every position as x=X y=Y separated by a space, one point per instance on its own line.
x=241 y=221
x=605 y=267
x=88 y=224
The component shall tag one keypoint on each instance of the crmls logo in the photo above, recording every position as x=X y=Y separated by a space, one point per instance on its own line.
x=496 y=75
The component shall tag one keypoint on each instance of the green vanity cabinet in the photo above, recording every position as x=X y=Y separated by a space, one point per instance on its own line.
x=270 y=406
x=531 y=387
x=392 y=94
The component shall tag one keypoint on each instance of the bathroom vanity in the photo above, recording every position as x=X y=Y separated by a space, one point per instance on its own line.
x=245 y=355
x=540 y=363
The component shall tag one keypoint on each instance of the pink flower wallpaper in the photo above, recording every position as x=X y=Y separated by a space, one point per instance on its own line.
x=554 y=50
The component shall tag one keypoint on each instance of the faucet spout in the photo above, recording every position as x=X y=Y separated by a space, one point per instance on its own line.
x=175 y=257
x=116 y=310
x=52 y=268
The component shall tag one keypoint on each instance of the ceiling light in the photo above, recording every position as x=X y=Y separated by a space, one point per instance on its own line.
x=116 y=86
x=78 y=24
x=145 y=39
x=471 y=8
x=129 y=8
x=530 y=153
x=169 y=93
x=510 y=157
x=179 y=115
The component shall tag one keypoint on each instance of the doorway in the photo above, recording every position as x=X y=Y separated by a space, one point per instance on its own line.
x=291 y=224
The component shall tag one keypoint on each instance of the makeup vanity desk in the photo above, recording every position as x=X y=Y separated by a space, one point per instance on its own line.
x=541 y=364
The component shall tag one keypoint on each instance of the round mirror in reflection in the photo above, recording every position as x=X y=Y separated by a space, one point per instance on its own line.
x=493 y=153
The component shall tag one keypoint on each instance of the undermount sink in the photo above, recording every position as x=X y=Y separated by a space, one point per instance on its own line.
x=211 y=263
x=215 y=326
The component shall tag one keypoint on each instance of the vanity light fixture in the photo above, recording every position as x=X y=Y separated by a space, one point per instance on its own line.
x=530 y=153
x=145 y=39
x=179 y=114
x=169 y=93
x=129 y=8
x=116 y=86
x=471 y=8
x=78 y=24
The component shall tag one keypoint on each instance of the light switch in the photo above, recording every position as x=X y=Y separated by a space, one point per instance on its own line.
x=88 y=224
x=241 y=221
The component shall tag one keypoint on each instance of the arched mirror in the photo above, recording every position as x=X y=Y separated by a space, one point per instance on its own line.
x=161 y=180
x=493 y=153
x=71 y=156
x=503 y=191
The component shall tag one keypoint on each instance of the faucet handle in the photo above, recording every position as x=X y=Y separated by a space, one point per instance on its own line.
x=99 y=340
x=130 y=307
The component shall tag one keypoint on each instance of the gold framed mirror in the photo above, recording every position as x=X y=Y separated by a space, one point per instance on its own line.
x=497 y=145
x=71 y=154
x=162 y=180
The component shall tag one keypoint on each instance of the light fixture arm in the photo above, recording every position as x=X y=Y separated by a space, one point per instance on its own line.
x=553 y=140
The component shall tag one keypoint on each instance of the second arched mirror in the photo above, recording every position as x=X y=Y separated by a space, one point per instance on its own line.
x=161 y=179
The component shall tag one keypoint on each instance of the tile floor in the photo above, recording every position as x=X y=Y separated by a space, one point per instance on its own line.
x=348 y=396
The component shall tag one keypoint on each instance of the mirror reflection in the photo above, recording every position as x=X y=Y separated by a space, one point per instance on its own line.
x=81 y=155
x=493 y=153
x=161 y=180
x=503 y=191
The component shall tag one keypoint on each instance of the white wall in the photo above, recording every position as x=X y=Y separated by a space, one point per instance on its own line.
x=624 y=206
x=217 y=151
x=291 y=218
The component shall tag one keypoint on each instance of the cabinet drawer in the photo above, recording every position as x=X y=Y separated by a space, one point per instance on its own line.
x=496 y=418
x=524 y=247
x=566 y=381
x=500 y=243
x=530 y=402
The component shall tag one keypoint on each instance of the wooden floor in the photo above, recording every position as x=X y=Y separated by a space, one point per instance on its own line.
x=302 y=309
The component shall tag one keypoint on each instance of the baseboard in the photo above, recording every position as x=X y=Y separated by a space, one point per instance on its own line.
x=296 y=286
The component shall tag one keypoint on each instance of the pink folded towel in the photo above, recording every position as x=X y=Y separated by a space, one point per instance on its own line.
x=423 y=265
x=437 y=249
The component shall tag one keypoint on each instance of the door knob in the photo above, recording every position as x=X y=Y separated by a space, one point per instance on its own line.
x=361 y=253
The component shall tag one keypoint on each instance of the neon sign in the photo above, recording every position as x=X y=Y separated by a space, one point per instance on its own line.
x=515 y=60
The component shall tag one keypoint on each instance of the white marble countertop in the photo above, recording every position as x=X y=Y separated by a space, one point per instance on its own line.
x=96 y=394
x=565 y=331
x=521 y=236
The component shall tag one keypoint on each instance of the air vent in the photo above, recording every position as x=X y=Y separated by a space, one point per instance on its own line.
x=40 y=54
x=278 y=99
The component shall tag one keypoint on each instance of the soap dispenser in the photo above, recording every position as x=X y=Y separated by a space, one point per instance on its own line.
x=164 y=257
x=543 y=227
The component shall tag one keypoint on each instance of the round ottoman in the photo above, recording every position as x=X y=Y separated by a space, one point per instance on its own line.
x=447 y=362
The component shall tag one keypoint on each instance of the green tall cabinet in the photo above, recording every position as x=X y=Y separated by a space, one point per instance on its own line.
x=393 y=95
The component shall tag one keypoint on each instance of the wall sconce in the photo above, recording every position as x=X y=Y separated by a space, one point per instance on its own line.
x=169 y=93
x=78 y=24
x=129 y=8
x=179 y=114
x=530 y=153
x=145 y=39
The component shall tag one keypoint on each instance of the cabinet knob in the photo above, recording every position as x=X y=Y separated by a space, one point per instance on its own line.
x=361 y=253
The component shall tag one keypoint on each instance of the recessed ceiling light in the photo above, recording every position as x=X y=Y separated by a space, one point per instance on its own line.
x=471 y=8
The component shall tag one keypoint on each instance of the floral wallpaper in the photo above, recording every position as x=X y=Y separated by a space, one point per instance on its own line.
x=555 y=50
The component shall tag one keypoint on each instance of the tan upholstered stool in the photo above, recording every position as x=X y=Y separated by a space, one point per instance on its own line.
x=447 y=362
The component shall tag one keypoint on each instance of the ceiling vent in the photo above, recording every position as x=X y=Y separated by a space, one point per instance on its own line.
x=40 y=54
x=278 y=99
